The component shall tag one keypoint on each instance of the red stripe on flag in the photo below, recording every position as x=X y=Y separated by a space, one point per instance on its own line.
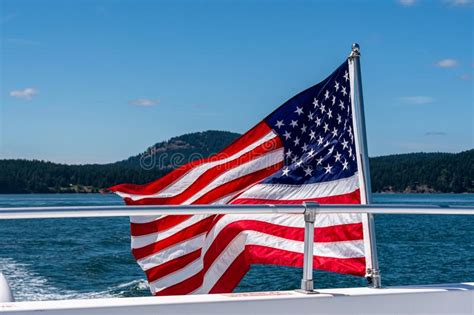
x=268 y=255
x=184 y=287
x=233 y=275
x=238 y=184
x=349 y=266
x=207 y=177
x=160 y=225
x=349 y=198
x=171 y=266
x=333 y=233
x=185 y=234
x=338 y=233
x=287 y=258
x=180 y=262
x=233 y=186
x=255 y=254
x=228 y=234
x=239 y=144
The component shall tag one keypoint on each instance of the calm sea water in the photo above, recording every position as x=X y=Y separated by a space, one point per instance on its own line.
x=85 y=258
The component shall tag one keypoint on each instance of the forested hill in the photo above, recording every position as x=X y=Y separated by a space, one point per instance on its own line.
x=424 y=172
x=415 y=172
x=179 y=150
x=26 y=176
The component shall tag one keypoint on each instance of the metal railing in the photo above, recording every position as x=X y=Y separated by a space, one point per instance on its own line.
x=310 y=210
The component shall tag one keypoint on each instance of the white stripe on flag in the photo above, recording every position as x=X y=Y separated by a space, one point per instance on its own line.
x=144 y=240
x=300 y=192
x=346 y=249
x=264 y=161
x=187 y=179
x=342 y=249
x=147 y=219
x=176 y=277
x=173 y=252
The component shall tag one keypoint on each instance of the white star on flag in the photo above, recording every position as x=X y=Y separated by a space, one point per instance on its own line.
x=299 y=110
x=328 y=169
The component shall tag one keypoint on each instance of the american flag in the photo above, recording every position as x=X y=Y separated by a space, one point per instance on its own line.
x=304 y=151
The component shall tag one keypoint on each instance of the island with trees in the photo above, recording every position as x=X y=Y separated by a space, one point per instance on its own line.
x=400 y=173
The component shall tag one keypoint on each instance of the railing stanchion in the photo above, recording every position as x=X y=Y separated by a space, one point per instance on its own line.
x=307 y=284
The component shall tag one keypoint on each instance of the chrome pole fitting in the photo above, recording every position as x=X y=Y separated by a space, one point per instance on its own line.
x=307 y=283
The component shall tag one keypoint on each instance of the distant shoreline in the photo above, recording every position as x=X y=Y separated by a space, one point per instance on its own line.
x=416 y=173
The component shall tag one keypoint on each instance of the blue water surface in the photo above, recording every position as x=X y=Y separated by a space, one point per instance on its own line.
x=90 y=257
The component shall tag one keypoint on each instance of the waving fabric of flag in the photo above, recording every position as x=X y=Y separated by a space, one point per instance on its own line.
x=304 y=151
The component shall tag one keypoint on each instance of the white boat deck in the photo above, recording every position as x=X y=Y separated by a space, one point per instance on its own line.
x=434 y=299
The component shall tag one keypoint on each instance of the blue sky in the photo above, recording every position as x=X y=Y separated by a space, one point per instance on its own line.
x=98 y=81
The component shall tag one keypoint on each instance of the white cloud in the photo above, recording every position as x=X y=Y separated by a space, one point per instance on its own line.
x=459 y=3
x=407 y=3
x=144 y=102
x=418 y=100
x=26 y=94
x=7 y=18
x=447 y=63
x=465 y=77
x=435 y=133
x=22 y=41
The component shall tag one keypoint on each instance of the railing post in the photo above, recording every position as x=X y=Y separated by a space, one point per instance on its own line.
x=307 y=284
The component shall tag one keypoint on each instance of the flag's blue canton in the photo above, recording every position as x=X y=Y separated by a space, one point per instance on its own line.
x=317 y=132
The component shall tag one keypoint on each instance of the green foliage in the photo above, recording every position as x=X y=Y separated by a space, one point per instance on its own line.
x=25 y=176
x=424 y=172
x=180 y=150
x=22 y=176
x=416 y=172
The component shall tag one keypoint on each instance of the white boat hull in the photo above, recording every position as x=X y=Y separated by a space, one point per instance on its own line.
x=435 y=299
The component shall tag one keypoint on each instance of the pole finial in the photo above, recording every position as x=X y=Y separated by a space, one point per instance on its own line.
x=355 y=51
x=356 y=48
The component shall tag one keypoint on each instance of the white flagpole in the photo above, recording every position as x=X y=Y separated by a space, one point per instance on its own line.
x=373 y=272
